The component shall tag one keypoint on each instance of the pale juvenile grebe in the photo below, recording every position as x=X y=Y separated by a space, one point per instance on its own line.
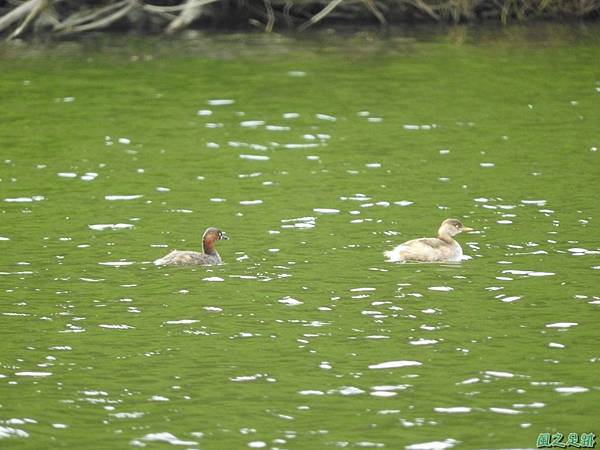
x=441 y=249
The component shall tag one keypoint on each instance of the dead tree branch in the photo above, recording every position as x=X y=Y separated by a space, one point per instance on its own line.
x=191 y=10
x=320 y=15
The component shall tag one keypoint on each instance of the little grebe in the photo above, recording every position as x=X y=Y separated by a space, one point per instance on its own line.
x=208 y=256
x=441 y=249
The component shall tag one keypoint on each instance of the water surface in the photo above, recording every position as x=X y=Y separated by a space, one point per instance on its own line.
x=315 y=157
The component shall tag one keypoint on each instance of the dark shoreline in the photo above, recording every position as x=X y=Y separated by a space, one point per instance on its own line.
x=43 y=19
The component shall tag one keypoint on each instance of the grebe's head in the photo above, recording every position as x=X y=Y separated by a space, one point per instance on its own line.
x=451 y=227
x=210 y=236
x=213 y=234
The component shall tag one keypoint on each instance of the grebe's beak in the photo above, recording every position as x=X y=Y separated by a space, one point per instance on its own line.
x=468 y=229
x=223 y=236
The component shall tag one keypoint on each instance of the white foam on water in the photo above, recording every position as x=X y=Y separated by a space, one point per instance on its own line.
x=251 y=202
x=529 y=273
x=2 y=238
x=220 y=102
x=441 y=288
x=311 y=392
x=122 y=197
x=291 y=115
x=349 y=390
x=395 y=364
x=326 y=210
x=290 y=301
x=571 y=390
x=493 y=373
x=213 y=279
x=383 y=394
x=33 y=374
x=561 y=325
x=89 y=176
x=255 y=157
x=453 y=410
x=309 y=145
x=433 y=445
x=325 y=117
x=34 y=198
x=124 y=141
x=110 y=226
x=511 y=299
x=67 y=174
x=257 y=444
x=246 y=377
x=116 y=327
x=404 y=203
x=252 y=123
x=116 y=263
x=128 y=415
x=529 y=405
x=213 y=309
x=181 y=322
x=534 y=202
x=505 y=411
x=424 y=342
x=8 y=432
x=556 y=345
x=168 y=438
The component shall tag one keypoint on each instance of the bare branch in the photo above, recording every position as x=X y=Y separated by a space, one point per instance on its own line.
x=105 y=21
x=16 y=14
x=270 y=15
x=192 y=9
x=370 y=4
x=320 y=15
x=38 y=7
x=85 y=16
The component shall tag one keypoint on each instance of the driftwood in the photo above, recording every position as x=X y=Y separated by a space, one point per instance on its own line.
x=16 y=14
x=68 y=17
x=98 y=19
x=191 y=10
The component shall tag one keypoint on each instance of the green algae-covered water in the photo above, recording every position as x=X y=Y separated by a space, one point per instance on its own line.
x=315 y=156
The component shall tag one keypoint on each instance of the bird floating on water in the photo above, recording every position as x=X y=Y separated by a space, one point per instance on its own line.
x=208 y=256
x=440 y=249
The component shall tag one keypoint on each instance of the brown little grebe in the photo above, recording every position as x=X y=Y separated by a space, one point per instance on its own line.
x=208 y=256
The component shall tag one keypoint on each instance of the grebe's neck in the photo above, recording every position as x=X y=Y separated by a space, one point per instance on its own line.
x=443 y=236
x=208 y=245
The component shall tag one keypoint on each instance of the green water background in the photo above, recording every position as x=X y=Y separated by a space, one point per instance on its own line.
x=393 y=135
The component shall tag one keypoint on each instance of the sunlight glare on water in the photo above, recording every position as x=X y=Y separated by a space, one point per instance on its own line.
x=314 y=164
